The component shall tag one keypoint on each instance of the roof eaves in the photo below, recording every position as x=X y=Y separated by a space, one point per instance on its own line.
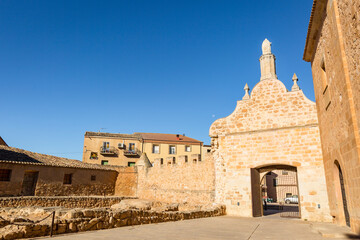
x=54 y=165
x=311 y=37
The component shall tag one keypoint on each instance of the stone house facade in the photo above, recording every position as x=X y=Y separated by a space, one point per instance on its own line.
x=25 y=173
x=126 y=149
x=279 y=184
x=333 y=48
x=270 y=129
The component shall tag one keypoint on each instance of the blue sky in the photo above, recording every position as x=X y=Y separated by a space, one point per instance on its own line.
x=67 y=67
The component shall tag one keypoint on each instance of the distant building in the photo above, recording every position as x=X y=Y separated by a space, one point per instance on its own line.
x=333 y=48
x=25 y=173
x=126 y=149
x=206 y=149
x=279 y=184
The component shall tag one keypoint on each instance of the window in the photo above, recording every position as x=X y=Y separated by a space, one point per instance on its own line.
x=208 y=150
x=174 y=160
x=285 y=172
x=93 y=178
x=132 y=147
x=104 y=162
x=93 y=155
x=186 y=159
x=106 y=145
x=275 y=182
x=187 y=148
x=323 y=77
x=161 y=161
x=5 y=175
x=325 y=87
x=156 y=149
x=172 y=149
x=131 y=164
x=67 y=178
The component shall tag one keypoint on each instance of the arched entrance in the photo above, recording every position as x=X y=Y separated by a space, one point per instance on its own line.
x=343 y=193
x=274 y=190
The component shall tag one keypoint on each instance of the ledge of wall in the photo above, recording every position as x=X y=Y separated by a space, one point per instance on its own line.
x=66 y=202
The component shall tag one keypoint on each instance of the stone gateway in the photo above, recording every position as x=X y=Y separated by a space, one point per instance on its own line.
x=271 y=129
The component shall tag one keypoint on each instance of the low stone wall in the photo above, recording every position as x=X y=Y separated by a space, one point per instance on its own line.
x=66 y=202
x=101 y=218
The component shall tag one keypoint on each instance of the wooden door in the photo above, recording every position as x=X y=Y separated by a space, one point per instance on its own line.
x=343 y=193
x=256 y=193
x=29 y=183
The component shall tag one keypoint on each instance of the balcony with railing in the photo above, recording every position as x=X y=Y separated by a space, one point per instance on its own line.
x=132 y=153
x=108 y=151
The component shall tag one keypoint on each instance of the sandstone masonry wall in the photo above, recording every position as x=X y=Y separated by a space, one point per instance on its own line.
x=192 y=181
x=100 y=218
x=272 y=128
x=336 y=75
x=126 y=182
x=66 y=202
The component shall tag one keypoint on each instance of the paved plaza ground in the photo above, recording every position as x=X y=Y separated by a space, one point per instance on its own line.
x=224 y=227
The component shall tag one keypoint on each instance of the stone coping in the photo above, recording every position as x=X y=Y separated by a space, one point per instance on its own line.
x=66 y=197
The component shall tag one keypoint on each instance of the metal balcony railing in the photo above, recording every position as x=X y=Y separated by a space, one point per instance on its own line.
x=132 y=153
x=108 y=151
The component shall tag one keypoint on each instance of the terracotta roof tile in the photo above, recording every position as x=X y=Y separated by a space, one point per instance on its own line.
x=315 y=16
x=167 y=137
x=2 y=142
x=116 y=135
x=20 y=156
x=164 y=137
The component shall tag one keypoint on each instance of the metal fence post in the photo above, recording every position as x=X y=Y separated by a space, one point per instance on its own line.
x=52 y=224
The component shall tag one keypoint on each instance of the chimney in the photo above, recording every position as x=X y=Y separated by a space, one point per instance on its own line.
x=177 y=136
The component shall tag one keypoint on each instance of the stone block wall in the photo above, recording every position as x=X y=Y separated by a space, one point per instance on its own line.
x=273 y=128
x=126 y=182
x=100 y=218
x=336 y=75
x=66 y=202
x=191 y=181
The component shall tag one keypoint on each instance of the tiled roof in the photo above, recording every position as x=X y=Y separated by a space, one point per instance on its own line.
x=116 y=135
x=164 y=137
x=2 y=142
x=20 y=156
x=314 y=23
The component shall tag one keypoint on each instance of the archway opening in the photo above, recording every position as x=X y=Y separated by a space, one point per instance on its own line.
x=275 y=191
x=341 y=197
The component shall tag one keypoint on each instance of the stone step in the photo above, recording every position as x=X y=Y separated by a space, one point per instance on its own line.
x=331 y=230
